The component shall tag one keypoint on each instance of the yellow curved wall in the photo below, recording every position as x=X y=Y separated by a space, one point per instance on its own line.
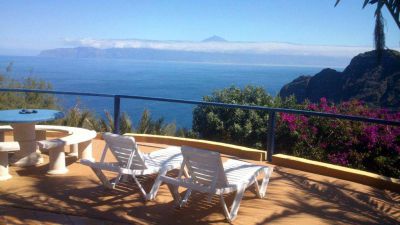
x=229 y=149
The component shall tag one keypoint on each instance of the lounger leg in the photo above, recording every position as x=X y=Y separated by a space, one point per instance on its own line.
x=175 y=194
x=57 y=161
x=153 y=192
x=103 y=178
x=230 y=216
x=185 y=198
x=4 y=175
x=265 y=181
x=140 y=187
x=73 y=150
x=257 y=186
x=85 y=151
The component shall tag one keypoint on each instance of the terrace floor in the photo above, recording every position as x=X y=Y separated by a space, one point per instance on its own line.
x=293 y=197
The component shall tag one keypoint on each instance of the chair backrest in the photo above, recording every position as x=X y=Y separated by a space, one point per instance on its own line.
x=204 y=167
x=125 y=150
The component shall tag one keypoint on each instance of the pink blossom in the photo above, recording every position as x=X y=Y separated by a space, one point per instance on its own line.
x=303 y=119
x=371 y=135
x=340 y=158
x=312 y=107
x=323 y=101
x=314 y=130
x=397 y=148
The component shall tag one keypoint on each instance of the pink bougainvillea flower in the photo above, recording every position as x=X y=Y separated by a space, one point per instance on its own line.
x=340 y=158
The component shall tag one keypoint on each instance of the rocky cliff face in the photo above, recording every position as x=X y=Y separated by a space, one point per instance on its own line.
x=364 y=78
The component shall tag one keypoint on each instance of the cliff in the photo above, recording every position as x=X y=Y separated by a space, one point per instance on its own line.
x=364 y=79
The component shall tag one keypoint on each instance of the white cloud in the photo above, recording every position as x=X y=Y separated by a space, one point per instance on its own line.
x=224 y=47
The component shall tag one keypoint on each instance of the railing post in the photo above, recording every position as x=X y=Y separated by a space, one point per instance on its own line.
x=271 y=135
x=117 y=107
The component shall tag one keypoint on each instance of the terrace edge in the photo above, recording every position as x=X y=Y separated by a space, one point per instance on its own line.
x=326 y=169
x=341 y=172
x=228 y=149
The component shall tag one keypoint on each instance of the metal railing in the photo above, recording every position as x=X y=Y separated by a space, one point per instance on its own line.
x=271 y=120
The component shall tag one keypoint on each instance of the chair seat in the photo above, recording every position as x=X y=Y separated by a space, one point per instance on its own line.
x=167 y=159
x=239 y=172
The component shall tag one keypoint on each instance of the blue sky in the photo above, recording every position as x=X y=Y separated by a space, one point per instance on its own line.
x=30 y=26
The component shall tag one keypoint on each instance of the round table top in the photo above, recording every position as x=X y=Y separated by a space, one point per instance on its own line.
x=29 y=115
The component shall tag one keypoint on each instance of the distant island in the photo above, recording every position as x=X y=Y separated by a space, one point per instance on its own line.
x=377 y=84
x=214 y=49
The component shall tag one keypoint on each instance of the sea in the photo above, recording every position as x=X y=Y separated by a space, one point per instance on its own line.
x=180 y=80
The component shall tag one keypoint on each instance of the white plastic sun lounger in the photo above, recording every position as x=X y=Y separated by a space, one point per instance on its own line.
x=130 y=161
x=207 y=174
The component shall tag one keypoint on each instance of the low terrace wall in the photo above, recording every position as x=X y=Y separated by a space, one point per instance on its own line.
x=358 y=176
x=229 y=149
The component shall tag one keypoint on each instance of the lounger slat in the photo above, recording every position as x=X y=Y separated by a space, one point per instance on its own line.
x=207 y=174
x=134 y=163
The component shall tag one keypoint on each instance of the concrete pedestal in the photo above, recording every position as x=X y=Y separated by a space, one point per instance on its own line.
x=73 y=150
x=57 y=161
x=4 y=174
x=24 y=134
x=85 y=150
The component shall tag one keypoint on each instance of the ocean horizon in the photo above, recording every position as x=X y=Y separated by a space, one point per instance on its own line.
x=181 y=80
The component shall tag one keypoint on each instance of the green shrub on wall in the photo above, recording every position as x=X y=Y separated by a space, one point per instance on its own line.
x=371 y=147
x=237 y=126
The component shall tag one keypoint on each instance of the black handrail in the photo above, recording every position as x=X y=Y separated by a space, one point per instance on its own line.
x=272 y=111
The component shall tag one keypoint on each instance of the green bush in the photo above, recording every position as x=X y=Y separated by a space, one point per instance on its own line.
x=9 y=100
x=371 y=147
x=236 y=126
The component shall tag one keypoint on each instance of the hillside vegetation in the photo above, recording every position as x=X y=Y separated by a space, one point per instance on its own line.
x=375 y=82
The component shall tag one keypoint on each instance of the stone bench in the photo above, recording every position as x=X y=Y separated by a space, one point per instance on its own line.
x=5 y=148
x=79 y=139
x=41 y=134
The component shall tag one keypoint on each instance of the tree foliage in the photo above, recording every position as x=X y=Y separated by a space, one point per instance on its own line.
x=371 y=147
x=26 y=100
x=233 y=125
x=149 y=126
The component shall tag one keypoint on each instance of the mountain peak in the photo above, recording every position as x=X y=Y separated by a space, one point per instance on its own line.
x=215 y=38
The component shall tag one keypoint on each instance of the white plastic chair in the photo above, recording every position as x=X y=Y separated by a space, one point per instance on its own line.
x=207 y=174
x=130 y=161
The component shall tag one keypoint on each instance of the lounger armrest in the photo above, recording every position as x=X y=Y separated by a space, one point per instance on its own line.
x=186 y=183
x=113 y=167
